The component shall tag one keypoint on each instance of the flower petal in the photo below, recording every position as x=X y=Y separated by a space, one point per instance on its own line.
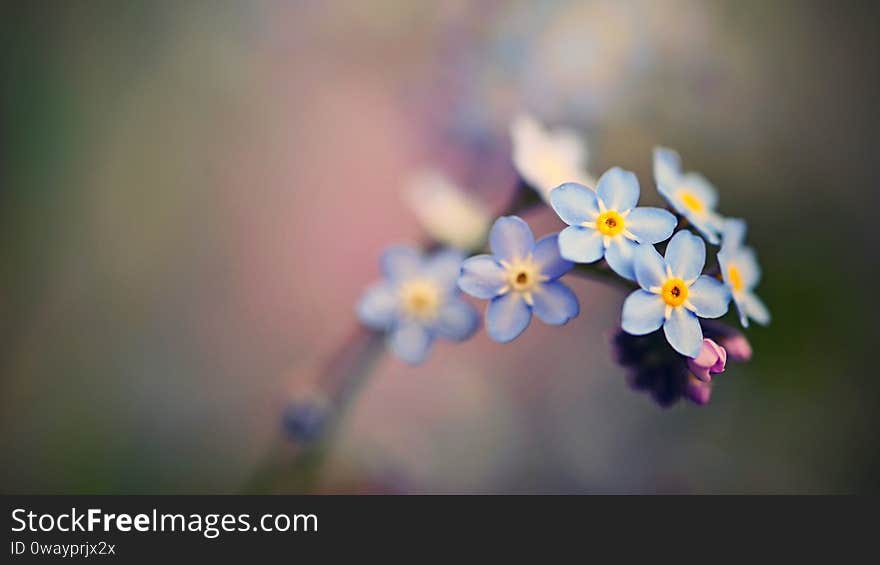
x=651 y=225
x=581 y=245
x=574 y=203
x=411 y=342
x=555 y=303
x=683 y=332
x=620 y=256
x=649 y=266
x=686 y=255
x=511 y=238
x=755 y=308
x=749 y=269
x=457 y=320
x=481 y=277
x=618 y=189
x=548 y=258
x=444 y=267
x=667 y=166
x=733 y=233
x=709 y=296
x=400 y=262
x=378 y=306
x=642 y=313
x=507 y=316
x=707 y=223
x=699 y=186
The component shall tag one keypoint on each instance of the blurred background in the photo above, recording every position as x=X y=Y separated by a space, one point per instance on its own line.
x=193 y=196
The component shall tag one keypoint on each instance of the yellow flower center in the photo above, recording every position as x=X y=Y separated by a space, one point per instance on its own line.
x=674 y=292
x=735 y=278
x=419 y=299
x=522 y=276
x=690 y=201
x=610 y=223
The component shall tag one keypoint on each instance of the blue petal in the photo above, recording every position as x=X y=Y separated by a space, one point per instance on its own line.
x=747 y=263
x=507 y=317
x=642 y=312
x=733 y=233
x=667 y=167
x=755 y=309
x=378 y=306
x=618 y=189
x=481 y=277
x=548 y=258
x=444 y=267
x=707 y=223
x=400 y=262
x=581 y=245
x=511 y=238
x=697 y=184
x=457 y=320
x=555 y=303
x=574 y=203
x=649 y=266
x=683 y=332
x=410 y=341
x=686 y=255
x=620 y=256
x=651 y=225
x=710 y=297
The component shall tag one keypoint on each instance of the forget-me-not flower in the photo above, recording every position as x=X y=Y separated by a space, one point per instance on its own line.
x=690 y=194
x=741 y=273
x=417 y=302
x=518 y=278
x=674 y=293
x=606 y=223
x=547 y=158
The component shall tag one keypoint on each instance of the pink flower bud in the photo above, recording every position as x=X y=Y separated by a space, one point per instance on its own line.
x=711 y=360
x=738 y=347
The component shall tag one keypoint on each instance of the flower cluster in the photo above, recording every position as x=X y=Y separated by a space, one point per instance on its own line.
x=650 y=249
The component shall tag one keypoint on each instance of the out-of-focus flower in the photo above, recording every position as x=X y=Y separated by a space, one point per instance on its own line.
x=304 y=420
x=544 y=158
x=651 y=366
x=697 y=391
x=690 y=194
x=606 y=223
x=418 y=301
x=519 y=277
x=674 y=293
x=447 y=213
x=741 y=273
x=711 y=360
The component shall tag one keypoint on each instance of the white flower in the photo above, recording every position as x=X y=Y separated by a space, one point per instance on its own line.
x=545 y=159
x=447 y=213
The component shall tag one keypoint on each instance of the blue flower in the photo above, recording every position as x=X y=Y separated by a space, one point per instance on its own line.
x=674 y=294
x=418 y=301
x=690 y=194
x=606 y=223
x=741 y=273
x=519 y=277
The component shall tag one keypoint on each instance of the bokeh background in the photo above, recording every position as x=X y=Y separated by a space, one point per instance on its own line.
x=194 y=195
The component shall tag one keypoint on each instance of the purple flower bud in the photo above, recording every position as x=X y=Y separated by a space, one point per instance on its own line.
x=304 y=420
x=711 y=360
x=698 y=391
